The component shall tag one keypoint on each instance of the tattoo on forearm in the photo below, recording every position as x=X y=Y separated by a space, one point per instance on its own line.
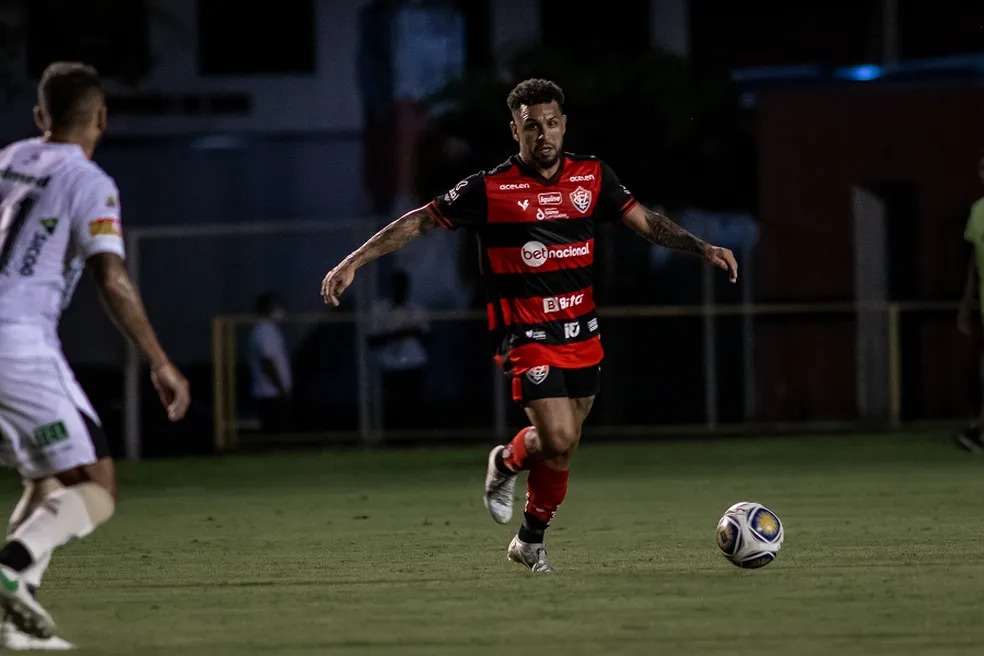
x=395 y=235
x=127 y=311
x=663 y=231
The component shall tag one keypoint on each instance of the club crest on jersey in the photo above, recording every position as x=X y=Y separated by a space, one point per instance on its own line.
x=538 y=374
x=581 y=198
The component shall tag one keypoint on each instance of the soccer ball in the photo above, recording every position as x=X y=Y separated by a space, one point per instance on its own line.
x=749 y=535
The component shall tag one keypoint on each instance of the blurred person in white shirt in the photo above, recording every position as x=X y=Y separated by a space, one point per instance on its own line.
x=271 y=376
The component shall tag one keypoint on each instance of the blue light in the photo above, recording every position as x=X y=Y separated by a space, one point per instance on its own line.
x=862 y=73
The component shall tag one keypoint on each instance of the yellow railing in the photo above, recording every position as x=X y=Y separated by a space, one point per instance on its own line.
x=227 y=426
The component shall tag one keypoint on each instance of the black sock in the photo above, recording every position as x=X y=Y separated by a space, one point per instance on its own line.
x=15 y=556
x=532 y=529
x=500 y=464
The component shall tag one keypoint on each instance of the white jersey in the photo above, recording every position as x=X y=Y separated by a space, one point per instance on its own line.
x=57 y=208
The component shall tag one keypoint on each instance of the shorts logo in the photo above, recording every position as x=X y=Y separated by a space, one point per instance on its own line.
x=592 y=325
x=104 y=228
x=536 y=335
x=49 y=434
x=572 y=330
x=550 y=198
x=537 y=375
x=581 y=198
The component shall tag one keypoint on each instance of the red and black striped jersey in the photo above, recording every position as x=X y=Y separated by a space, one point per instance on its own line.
x=538 y=248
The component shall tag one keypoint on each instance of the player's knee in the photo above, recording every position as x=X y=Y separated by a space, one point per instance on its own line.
x=100 y=503
x=101 y=473
x=559 y=439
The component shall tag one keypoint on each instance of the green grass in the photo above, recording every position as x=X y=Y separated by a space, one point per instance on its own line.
x=392 y=552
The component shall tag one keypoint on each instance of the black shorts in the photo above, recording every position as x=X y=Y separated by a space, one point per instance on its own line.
x=546 y=382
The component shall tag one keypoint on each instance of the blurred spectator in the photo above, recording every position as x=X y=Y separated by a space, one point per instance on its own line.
x=269 y=366
x=397 y=334
x=375 y=78
x=970 y=324
x=408 y=50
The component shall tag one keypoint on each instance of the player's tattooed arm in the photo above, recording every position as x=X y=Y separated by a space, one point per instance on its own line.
x=663 y=231
x=393 y=237
x=122 y=302
x=409 y=226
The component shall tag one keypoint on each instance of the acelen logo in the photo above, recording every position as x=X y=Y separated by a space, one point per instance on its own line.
x=535 y=254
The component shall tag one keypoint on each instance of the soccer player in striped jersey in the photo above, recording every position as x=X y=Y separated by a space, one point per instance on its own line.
x=535 y=216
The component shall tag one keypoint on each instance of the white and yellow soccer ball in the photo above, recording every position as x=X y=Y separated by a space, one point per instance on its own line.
x=749 y=535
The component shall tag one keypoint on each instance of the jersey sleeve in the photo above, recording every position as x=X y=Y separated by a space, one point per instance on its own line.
x=96 y=218
x=615 y=199
x=463 y=206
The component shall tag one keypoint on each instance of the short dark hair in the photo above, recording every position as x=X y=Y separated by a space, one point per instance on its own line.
x=65 y=90
x=535 y=91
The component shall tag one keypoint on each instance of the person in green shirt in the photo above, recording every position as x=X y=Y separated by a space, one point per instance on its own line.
x=970 y=437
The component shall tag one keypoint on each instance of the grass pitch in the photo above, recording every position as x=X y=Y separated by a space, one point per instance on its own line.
x=392 y=552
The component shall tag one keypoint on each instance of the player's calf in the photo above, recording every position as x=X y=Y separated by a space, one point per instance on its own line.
x=546 y=489
x=66 y=514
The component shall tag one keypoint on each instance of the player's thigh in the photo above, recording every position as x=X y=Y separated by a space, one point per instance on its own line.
x=543 y=393
x=583 y=386
x=47 y=423
x=556 y=424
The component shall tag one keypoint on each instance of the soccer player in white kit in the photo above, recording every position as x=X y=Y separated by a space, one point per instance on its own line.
x=59 y=214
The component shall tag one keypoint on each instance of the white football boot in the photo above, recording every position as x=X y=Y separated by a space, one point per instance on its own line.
x=531 y=555
x=499 y=489
x=22 y=609
x=14 y=639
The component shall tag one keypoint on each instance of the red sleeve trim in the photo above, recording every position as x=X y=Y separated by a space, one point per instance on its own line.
x=629 y=206
x=441 y=219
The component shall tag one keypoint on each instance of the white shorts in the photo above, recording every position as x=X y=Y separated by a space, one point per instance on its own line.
x=46 y=421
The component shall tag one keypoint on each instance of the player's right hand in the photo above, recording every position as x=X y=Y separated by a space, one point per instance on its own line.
x=172 y=388
x=336 y=282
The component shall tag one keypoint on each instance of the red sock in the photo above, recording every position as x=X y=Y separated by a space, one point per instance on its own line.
x=545 y=490
x=514 y=456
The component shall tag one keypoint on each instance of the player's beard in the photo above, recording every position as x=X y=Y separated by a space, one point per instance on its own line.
x=546 y=161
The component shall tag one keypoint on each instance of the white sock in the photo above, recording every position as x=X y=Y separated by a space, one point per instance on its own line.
x=64 y=515
x=34 y=493
x=32 y=575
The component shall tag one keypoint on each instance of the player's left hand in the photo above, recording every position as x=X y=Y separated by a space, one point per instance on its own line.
x=722 y=258
x=172 y=388
x=337 y=281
